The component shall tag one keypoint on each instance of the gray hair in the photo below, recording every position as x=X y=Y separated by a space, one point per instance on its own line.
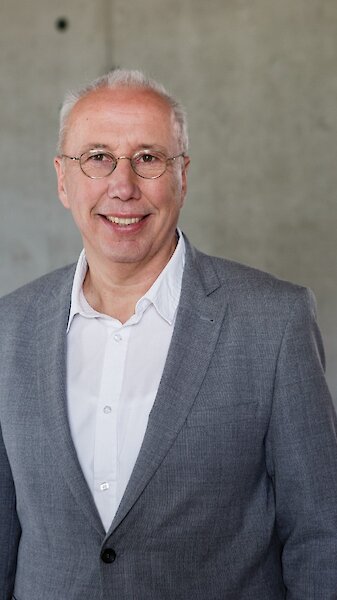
x=127 y=78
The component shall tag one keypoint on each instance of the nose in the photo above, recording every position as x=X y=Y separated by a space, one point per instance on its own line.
x=123 y=181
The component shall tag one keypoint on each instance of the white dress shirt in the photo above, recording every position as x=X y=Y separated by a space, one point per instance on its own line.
x=113 y=374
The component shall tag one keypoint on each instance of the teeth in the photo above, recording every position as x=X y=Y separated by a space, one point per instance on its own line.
x=122 y=220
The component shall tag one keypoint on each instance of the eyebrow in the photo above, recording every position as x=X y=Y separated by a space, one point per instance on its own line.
x=95 y=146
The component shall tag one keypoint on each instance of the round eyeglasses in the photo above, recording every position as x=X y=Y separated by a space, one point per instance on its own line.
x=149 y=164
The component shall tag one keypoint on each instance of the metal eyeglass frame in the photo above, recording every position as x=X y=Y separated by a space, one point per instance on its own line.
x=115 y=162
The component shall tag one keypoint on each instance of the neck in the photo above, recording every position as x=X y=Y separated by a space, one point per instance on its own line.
x=115 y=289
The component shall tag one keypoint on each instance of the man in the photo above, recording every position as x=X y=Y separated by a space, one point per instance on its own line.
x=167 y=432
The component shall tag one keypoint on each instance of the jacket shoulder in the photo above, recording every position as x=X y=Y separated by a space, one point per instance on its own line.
x=249 y=287
x=37 y=292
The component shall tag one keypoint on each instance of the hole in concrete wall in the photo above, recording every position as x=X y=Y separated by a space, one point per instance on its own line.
x=62 y=24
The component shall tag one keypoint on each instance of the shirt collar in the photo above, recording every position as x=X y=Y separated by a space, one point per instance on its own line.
x=164 y=293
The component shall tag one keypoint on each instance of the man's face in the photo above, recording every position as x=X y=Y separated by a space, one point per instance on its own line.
x=123 y=121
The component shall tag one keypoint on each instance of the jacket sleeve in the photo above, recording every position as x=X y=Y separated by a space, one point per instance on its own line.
x=10 y=530
x=301 y=454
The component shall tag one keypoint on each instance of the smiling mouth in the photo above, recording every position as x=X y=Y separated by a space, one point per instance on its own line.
x=123 y=220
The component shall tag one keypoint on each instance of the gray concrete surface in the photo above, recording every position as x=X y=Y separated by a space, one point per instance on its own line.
x=259 y=81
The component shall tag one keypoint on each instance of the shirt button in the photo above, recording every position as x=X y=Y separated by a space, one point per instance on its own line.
x=107 y=410
x=108 y=555
x=104 y=486
x=117 y=337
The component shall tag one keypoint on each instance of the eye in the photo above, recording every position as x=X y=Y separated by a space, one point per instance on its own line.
x=99 y=157
x=149 y=158
x=145 y=159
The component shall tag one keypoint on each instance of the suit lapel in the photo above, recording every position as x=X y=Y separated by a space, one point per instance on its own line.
x=200 y=315
x=51 y=360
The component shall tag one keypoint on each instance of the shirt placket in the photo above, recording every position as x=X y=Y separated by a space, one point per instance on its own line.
x=105 y=465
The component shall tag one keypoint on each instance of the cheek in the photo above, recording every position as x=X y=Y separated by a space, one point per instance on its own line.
x=178 y=191
x=173 y=192
x=82 y=196
x=169 y=201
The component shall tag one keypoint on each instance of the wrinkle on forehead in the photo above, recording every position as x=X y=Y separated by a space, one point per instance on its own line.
x=127 y=101
x=136 y=105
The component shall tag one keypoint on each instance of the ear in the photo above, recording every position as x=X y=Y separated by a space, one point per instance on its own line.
x=61 y=188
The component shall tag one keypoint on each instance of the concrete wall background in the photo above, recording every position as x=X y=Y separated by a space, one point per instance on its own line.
x=259 y=81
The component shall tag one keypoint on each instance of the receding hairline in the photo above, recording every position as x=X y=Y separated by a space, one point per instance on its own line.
x=132 y=94
x=124 y=79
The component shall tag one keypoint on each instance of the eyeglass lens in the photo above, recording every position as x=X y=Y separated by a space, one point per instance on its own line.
x=97 y=164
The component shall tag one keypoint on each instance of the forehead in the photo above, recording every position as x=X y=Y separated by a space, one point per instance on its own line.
x=118 y=115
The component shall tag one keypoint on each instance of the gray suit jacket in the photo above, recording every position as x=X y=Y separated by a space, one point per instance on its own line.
x=234 y=493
